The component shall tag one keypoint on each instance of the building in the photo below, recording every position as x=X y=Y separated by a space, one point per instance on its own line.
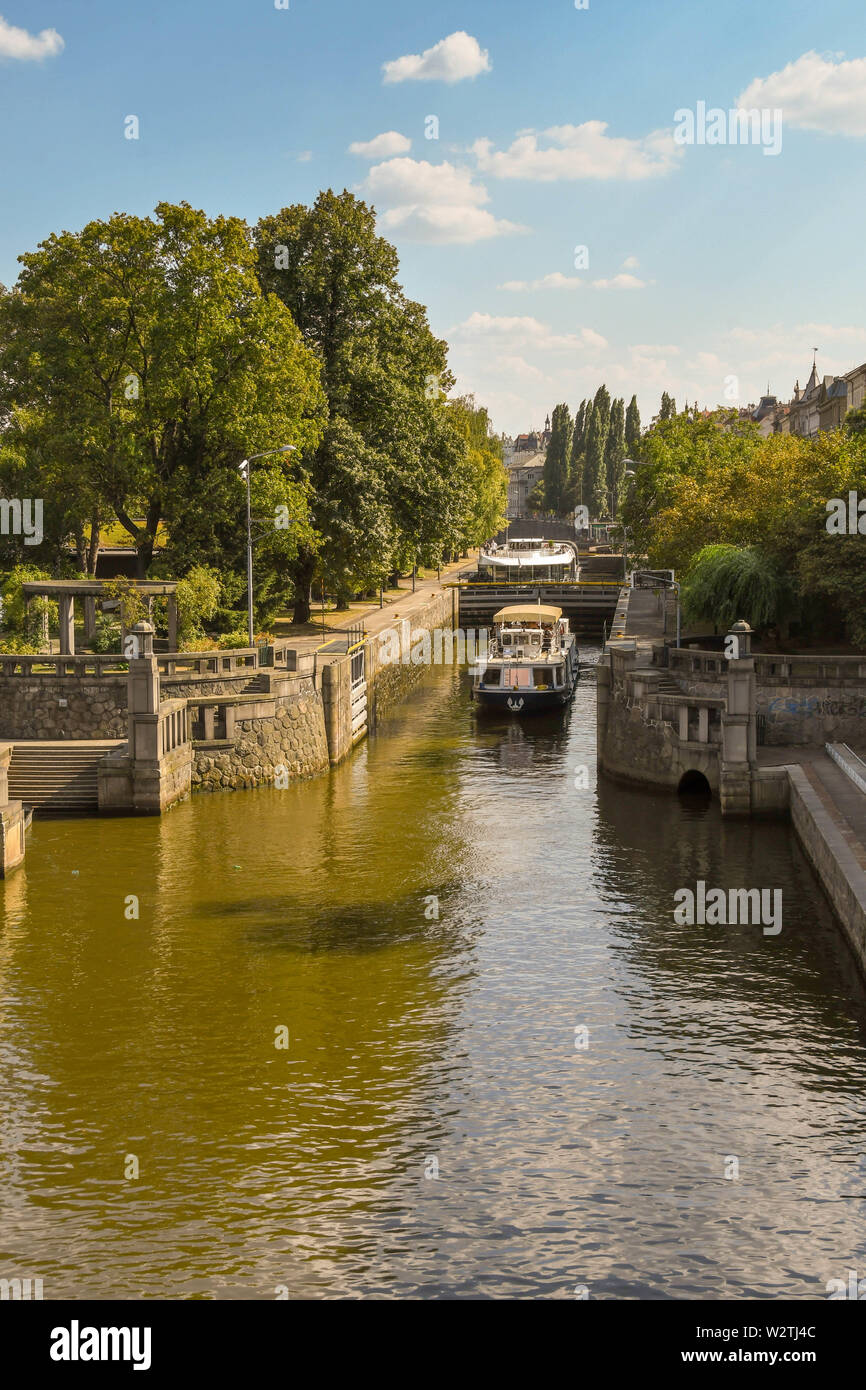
x=524 y=473
x=822 y=404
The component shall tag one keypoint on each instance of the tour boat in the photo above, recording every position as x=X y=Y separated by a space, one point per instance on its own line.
x=523 y=560
x=532 y=660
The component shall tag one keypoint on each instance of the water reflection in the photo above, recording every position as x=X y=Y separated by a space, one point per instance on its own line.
x=430 y=923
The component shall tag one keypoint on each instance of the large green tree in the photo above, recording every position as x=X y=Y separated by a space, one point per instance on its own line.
x=140 y=362
x=385 y=478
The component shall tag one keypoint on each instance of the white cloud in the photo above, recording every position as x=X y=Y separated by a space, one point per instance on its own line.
x=450 y=60
x=554 y=281
x=523 y=331
x=630 y=263
x=620 y=282
x=815 y=93
x=305 y=156
x=434 y=202
x=579 y=152
x=17 y=43
x=383 y=146
x=447 y=225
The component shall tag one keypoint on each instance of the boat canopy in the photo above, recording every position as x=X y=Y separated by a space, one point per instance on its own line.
x=528 y=613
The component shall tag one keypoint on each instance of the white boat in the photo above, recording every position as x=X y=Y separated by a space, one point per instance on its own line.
x=532 y=660
x=526 y=559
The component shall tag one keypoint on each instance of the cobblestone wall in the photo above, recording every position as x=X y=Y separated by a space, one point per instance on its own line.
x=294 y=739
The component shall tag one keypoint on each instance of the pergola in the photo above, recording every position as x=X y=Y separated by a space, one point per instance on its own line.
x=66 y=591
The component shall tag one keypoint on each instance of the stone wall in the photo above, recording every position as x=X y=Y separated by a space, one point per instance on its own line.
x=635 y=747
x=58 y=707
x=293 y=738
x=389 y=684
x=73 y=707
x=796 y=711
x=833 y=860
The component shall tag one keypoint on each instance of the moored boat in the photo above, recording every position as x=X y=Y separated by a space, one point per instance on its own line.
x=532 y=660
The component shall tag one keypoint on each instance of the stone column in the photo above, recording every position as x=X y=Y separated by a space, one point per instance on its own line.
x=739 y=724
x=67 y=625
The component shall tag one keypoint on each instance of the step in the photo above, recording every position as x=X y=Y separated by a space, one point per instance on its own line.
x=58 y=777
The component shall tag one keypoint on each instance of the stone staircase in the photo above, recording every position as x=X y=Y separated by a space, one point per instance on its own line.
x=58 y=778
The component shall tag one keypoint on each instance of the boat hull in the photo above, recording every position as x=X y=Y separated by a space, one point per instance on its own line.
x=521 y=701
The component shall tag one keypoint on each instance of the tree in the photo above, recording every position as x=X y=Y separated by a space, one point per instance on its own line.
x=556 y=460
x=614 y=454
x=632 y=428
x=535 y=502
x=387 y=477
x=143 y=351
x=668 y=407
x=594 y=474
x=485 y=479
x=725 y=583
x=855 y=421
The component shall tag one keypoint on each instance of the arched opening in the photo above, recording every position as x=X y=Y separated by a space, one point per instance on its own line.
x=694 y=785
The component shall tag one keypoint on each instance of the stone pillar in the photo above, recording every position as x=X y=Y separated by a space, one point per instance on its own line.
x=67 y=625
x=89 y=618
x=739 y=724
x=158 y=778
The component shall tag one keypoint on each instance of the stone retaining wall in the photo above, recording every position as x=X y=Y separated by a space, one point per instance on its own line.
x=55 y=707
x=294 y=738
x=389 y=684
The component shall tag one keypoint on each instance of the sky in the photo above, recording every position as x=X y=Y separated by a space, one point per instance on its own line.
x=539 y=168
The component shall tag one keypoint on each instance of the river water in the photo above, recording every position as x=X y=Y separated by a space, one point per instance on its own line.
x=568 y=1162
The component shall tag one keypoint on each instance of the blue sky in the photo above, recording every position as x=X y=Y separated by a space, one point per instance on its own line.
x=712 y=268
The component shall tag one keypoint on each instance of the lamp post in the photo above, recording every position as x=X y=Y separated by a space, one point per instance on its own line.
x=629 y=473
x=244 y=468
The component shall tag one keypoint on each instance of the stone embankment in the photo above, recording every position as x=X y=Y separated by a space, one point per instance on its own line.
x=669 y=716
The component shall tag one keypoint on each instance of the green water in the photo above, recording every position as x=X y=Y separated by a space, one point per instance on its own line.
x=419 y=1043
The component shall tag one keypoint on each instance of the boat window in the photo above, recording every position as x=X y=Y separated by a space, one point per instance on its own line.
x=541 y=677
x=559 y=675
x=492 y=676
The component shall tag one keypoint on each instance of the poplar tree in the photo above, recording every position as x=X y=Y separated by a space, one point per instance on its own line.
x=594 y=472
x=632 y=428
x=614 y=454
x=556 y=459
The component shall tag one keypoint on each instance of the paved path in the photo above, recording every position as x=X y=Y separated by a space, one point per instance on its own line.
x=395 y=609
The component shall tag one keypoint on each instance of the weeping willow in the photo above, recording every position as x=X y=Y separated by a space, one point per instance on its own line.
x=728 y=582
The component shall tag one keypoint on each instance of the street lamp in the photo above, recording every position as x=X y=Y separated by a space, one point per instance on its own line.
x=629 y=473
x=244 y=469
